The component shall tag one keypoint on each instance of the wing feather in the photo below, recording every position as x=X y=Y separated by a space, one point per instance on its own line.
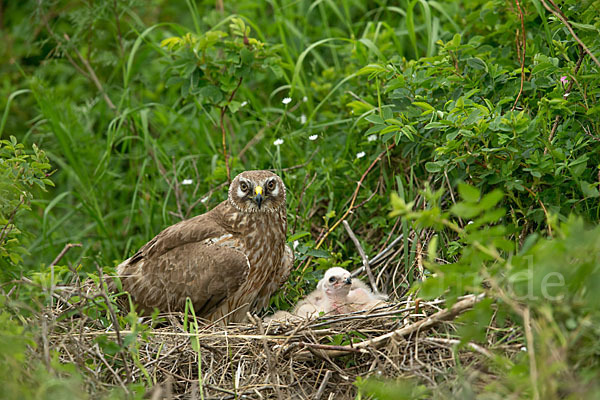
x=206 y=273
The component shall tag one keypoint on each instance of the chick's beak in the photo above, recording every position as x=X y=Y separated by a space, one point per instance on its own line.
x=258 y=191
x=348 y=281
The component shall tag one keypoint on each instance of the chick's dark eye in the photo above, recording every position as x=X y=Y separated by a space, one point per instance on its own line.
x=243 y=186
x=332 y=279
x=271 y=185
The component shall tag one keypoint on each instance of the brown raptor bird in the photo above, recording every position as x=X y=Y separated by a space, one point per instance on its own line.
x=227 y=261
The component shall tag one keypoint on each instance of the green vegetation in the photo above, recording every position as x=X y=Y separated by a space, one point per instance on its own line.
x=473 y=129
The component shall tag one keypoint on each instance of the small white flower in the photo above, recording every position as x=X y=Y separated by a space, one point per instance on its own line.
x=303 y=119
x=304 y=99
x=187 y=182
x=360 y=155
x=566 y=95
x=244 y=103
x=295 y=244
x=523 y=348
x=278 y=142
x=372 y=138
x=204 y=200
x=313 y=137
x=286 y=100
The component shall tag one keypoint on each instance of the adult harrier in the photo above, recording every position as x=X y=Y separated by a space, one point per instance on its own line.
x=227 y=261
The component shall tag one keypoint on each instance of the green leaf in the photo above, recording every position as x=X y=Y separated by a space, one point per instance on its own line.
x=318 y=253
x=423 y=105
x=433 y=167
x=375 y=119
x=297 y=235
x=491 y=199
x=469 y=193
x=589 y=190
x=465 y=210
x=371 y=68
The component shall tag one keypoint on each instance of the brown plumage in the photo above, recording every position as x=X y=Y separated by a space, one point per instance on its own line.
x=228 y=261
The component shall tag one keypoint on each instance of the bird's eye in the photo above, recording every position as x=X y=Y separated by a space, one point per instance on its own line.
x=244 y=186
x=271 y=185
x=332 y=279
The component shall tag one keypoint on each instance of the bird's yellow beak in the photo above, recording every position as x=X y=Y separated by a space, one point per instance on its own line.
x=258 y=191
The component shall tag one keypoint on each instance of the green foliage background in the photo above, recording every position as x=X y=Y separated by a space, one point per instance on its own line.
x=128 y=101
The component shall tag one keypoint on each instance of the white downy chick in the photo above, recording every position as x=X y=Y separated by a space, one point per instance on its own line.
x=362 y=298
x=338 y=293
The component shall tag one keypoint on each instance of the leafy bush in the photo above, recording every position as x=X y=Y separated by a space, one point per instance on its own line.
x=20 y=174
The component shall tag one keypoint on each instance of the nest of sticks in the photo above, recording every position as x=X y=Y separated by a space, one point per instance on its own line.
x=183 y=358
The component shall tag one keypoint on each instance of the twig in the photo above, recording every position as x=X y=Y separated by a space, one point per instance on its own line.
x=381 y=255
x=419 y=326
x=353 y=200
x=471 y=345
x=355 y=194
x=270 y=361
x=363 y=255
x=330 y=347
x=558 y=13
x=60 y=255
x=323 y=385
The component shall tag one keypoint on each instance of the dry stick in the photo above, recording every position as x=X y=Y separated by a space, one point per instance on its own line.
x=323 y=385
x=567 y=91
x=381 y=255
x=351 y=207
x=60 y=255
x=418 y=326
x=223 y=133
x=331 y=347
x=523 y=50
x=471 y=345
x=98 y=353
x=558 y=13
x=271 y=365
x=115 y=323
x=363 y=255
x=358 y=185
